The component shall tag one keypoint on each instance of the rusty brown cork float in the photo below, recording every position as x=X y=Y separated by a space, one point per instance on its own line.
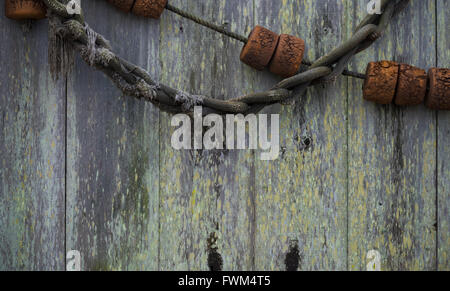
x=282 y=53
x=259 y=49
x=381 y=82
x=25 y=9
x=124 y=5
x=411 y=86
x=288 y=56
x=145 y=8
x=149 y=8
x=438 y=97
x=385 y=81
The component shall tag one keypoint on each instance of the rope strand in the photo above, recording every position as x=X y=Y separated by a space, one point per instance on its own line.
x=237 y=36
x=135 y=81
x=207 y=24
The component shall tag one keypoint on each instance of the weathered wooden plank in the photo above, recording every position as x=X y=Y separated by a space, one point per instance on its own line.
x=113 y=158
x=204 y=193
x=301 y=197
x=32 y=108
x=223 y=180
x=180 y=60
x=392 y=155
x=443 y=155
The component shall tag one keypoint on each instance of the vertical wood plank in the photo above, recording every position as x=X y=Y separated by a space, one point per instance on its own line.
x=443 y=167
x=301 y=197
x=182 y=49
x=204 y=192
x=113 y=158
x=32 y=108
x=223 y=188
x=392 y=154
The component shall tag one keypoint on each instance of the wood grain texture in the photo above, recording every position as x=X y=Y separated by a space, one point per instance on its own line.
x=226 y=178
x=352 y=176
x=301 y=197
x=392 y=155
x=205 y=192
x=113 y=158
x=180 y=247
x=443 y=133
x=31 y=151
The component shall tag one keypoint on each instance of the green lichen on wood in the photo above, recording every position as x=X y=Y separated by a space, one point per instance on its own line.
x=31 y=152
x=392 y=155
x=302 y=195
x=113 y=160
x=352 y=176
x=204 y=192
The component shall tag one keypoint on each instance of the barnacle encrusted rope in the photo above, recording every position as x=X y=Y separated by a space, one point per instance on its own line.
x=135 y=81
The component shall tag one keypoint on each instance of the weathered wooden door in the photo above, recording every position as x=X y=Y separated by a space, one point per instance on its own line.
x=84 y=168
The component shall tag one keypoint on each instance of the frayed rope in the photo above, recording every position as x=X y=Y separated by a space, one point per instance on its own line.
x=91 y=43
x=188 y=101
x=139 y=90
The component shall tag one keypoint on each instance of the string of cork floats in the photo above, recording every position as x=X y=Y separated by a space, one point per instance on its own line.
x=405 y=85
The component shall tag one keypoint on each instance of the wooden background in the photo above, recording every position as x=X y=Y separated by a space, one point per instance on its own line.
x=84 y=168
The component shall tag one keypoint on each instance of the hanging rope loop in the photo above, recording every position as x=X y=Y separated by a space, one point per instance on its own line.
x=135 y=81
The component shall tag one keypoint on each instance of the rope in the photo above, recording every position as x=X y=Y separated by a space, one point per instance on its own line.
x=207 y=24
x=236 y=36
x=91 y=40
x=135 y=81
